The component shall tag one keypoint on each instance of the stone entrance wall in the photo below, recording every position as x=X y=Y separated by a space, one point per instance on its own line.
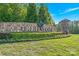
x=24 y=27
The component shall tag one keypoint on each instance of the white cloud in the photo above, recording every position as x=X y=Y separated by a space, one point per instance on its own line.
x=69 y=10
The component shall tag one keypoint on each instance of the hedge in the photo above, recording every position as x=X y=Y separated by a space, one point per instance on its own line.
x=12 y=37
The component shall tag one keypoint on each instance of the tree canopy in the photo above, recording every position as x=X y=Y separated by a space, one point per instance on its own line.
x=30 y=12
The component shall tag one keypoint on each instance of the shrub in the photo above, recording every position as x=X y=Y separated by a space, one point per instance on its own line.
x=11 y=37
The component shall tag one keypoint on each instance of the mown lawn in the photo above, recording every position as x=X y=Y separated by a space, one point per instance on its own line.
x=52 y=47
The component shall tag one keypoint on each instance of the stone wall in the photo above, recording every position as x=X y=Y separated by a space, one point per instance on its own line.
x=24 y=27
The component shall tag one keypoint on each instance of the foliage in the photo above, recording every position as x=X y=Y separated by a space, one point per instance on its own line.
x=11 y=37
x=32 y=13
x=44 y=15
x=29 y=12
x=73 y=27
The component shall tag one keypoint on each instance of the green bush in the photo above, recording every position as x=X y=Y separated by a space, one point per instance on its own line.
x=11 y=37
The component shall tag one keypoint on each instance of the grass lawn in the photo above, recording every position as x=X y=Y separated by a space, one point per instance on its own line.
x=52 y=47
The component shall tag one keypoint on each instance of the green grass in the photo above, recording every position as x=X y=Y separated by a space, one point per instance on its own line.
x=53 y=47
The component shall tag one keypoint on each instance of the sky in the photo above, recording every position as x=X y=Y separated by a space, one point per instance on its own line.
x=60 y=11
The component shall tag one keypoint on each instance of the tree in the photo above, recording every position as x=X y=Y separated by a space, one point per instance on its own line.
x=3 y=12
x=31 y=13
x=12 y=12
x=65 y=26
x=72 y=26
x=44 y=15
